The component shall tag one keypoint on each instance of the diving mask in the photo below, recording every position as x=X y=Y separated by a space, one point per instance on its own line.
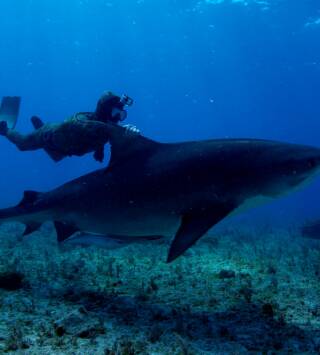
x=126 y=100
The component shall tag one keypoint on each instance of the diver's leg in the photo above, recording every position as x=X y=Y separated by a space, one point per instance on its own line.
x=24 y=141
x=33 y=141
x=39 y=139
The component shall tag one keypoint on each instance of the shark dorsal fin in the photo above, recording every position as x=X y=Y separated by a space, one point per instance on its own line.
x=125 y=144
x=29 y=198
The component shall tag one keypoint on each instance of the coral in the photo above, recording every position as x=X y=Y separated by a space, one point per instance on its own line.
x=251 y=290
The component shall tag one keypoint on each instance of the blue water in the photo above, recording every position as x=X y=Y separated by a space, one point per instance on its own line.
x=196 y=69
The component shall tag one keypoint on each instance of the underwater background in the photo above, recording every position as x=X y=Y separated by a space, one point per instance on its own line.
x=196 y=70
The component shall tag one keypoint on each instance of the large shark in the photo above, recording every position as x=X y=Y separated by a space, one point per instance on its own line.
x=152 y=189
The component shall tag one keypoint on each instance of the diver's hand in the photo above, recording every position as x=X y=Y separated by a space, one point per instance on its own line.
x=131 y=129
x=3 y=128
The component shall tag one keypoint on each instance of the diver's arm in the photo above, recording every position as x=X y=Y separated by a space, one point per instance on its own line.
x=23 y=142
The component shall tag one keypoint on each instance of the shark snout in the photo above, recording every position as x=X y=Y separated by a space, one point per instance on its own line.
x=304 y=163
x=291 y=166
x=309 y=160
x=314 y=162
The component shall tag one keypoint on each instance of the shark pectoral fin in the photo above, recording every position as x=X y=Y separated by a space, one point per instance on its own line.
x=31 y=227
x=64 y=230
x=194 y=225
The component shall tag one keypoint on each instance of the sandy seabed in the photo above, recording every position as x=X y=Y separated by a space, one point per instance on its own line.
x=242 y=291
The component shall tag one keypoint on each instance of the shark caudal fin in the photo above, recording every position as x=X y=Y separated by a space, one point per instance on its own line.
x=9 y=110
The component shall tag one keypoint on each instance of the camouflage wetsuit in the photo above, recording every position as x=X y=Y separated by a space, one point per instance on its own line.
x=82 y=133
x=77 y=135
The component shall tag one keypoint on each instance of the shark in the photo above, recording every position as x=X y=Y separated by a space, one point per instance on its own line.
x=152 y=190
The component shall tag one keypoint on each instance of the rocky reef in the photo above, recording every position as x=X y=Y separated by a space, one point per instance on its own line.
x=240 y=291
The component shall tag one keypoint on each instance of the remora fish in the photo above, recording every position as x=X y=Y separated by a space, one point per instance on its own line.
x=180 y=189
x=105 y=241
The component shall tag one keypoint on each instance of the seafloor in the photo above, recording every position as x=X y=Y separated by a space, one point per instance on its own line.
x=241 y=291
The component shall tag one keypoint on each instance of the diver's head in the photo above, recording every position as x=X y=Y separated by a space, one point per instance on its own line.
x=111 y=107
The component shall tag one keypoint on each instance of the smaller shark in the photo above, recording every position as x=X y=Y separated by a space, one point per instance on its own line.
x=153 y=189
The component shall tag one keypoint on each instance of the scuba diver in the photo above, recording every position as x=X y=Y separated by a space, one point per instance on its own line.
x=82 y=133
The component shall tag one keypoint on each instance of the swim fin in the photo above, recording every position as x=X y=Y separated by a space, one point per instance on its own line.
x=9 y=110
